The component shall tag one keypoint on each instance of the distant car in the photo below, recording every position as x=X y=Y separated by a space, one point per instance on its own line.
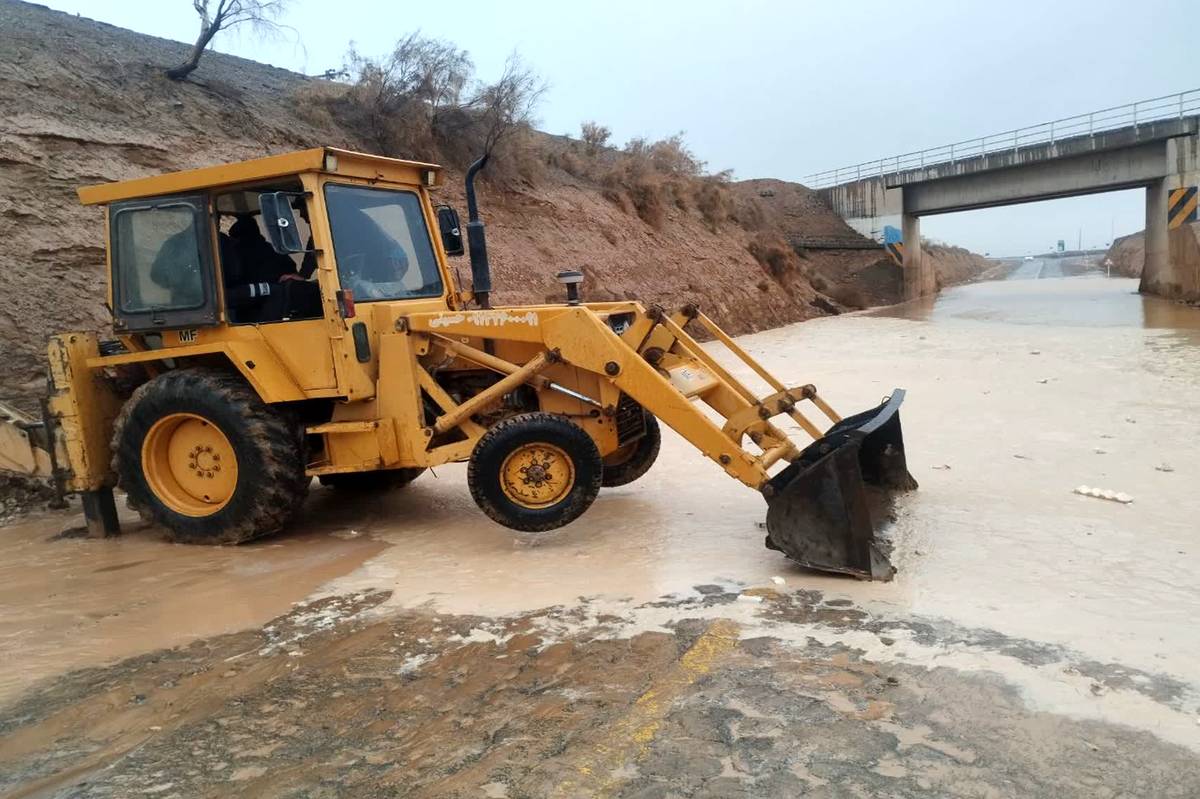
x=1028 y=257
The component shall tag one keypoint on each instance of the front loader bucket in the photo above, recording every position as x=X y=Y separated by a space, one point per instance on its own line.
x=824 y=508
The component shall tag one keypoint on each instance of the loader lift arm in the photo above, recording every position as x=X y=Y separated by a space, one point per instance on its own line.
x=666 y=371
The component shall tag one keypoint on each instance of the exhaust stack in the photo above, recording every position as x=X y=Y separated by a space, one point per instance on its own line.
x=481 y=271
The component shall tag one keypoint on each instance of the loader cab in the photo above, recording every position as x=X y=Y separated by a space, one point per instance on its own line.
x=312 y=255
x=191 y=261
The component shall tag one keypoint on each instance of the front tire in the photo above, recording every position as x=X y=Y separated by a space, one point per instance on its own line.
x=199 y=453
x=535 y=472
x=634 y=459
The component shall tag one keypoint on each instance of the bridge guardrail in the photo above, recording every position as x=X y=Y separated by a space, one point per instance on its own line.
x=1170 y=106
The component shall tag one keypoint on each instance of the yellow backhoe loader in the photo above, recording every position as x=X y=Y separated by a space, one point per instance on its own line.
x=296 y=316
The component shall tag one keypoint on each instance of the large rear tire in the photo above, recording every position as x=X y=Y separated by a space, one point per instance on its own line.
x=535 y=472
x=200 y=454
x=634 y=459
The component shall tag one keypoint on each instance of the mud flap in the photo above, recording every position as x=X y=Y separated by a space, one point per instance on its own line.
x=824 y=509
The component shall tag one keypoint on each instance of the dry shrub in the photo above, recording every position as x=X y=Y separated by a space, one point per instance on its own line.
x=629 y=180
x=312 y=101
x=423 y=102
x=651 y=177
x=564 y=158
x=749 y=214
x=714 y=200
x=594 y=136
x=669 y=156
x=773 y=253
x=646 y=178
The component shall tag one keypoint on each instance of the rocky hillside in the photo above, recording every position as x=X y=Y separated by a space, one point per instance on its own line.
x=84 y=102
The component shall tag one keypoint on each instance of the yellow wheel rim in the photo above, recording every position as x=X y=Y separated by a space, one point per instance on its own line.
x=537 y=475
x=189 y=464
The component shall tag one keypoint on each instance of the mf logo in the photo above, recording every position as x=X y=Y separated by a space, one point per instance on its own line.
x=188 y=336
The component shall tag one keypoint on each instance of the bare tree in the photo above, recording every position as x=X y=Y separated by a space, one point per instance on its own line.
x=218 y=15
x=507 y=105
x=400 y=101
x=423 y=99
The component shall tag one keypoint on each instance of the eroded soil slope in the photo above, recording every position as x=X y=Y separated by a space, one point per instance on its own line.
x=82 y=102
x=1127 y=255
x=831 y=250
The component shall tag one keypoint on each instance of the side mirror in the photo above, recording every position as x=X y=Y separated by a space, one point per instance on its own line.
x=452 y=238
x=280 y=222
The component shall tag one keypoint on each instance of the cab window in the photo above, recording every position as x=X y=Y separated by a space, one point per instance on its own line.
x=263 y=286
x=158 y=258
x=162 y=263
x=381 y=243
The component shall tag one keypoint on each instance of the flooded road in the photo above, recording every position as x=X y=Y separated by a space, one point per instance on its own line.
x=1018 y=393
x=1033 y=614
x=72 y=602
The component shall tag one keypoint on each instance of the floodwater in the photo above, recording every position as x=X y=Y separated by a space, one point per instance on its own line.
x=72 y=602
x=1019 y=391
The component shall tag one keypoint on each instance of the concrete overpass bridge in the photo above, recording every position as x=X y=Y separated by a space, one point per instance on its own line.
x=1152 y=144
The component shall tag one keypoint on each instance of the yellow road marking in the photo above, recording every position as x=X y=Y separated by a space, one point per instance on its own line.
x=630 y=737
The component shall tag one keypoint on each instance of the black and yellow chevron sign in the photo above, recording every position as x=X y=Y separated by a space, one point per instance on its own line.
x=896 y=250
x=1181 y=207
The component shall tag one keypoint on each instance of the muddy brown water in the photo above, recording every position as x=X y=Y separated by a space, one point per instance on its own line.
x=72 y=602
x=1018 y=393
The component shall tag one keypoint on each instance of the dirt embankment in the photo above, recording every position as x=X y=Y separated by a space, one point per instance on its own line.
x=1178 y=279
x=1127 y=255
x=838 y=260
x=84 y=102
x=957 y=265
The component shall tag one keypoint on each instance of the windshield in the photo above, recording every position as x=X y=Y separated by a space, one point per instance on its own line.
x=381 y=243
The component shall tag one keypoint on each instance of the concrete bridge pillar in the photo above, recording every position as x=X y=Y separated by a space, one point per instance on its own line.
x=1172 y=262
x=1157 y=266
x=919 y=279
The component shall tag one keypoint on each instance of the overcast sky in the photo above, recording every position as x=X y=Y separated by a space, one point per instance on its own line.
x=782 y=89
